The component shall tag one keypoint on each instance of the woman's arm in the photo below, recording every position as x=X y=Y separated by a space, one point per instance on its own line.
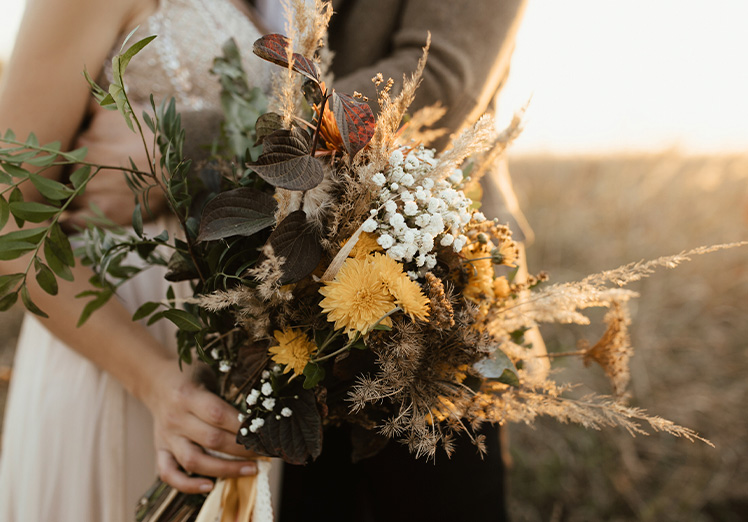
x=44 y=92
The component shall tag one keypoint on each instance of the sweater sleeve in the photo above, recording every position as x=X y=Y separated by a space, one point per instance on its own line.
x=471 y=45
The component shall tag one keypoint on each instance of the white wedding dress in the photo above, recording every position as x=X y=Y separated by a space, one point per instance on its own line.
x=76 y=446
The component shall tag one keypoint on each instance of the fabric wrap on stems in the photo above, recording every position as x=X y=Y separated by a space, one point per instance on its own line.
x=242 y=499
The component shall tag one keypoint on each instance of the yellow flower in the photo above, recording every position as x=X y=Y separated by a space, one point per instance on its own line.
x=294 y=350
x=406 y=292
x=509 y=253
x=501 y=288
x=480 y=280
x=366 y=244
x=356 y=299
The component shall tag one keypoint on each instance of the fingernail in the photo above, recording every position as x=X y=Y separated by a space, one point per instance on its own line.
x=248 y=470
x=206 y=487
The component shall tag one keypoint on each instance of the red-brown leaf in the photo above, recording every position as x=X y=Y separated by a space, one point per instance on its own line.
x=355 y=121
x=274 y=48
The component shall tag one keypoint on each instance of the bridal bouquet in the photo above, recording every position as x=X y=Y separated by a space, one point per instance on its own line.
x=340 y=270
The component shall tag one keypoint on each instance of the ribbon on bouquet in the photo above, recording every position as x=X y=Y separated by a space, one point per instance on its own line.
x=241 y=499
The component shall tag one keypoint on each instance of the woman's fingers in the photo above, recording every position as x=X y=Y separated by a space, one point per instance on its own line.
x=194 y=460
x=214 y=411
x=212 y=438
x=169 y=472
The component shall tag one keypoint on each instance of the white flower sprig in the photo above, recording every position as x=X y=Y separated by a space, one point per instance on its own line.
x=416 y=212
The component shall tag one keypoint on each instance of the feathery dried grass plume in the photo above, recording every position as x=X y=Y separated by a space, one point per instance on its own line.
x=269 y=273
x=311 y=26
x=473 y=140
x=635 y=271
x=391 y=115
x=592 y=412
x=416 y=130
x=500 y=143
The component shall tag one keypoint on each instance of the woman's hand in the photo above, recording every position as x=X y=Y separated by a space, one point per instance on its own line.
x=189 y=419
x=110 y=142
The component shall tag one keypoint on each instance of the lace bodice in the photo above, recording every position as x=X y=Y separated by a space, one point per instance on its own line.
x=177 y=63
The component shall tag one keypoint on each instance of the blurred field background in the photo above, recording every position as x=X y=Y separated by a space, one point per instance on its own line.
x=635 y=148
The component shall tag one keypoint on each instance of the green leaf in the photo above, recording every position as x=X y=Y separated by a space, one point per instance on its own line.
x=29 y=304
x=29 y=235
x=117 y=92
x=145 y=310
x=14 y=249
x=60 y=244
x=498 y=367
x=124 y=58
x=94 y=304
x=15 y=171
x=314 y=373
x=4 y=212
x=5 y=178
x=8 y=281
x=184 y=320
x=45 y=277
x=80 y=176
x=383 y=327
x=55 y=263
x=33 y=211
x=239 y=212
x=8 y=301
x=50 y=188
x=286 y=161
x=76 y=155
x=16 y=196
x=137 y=220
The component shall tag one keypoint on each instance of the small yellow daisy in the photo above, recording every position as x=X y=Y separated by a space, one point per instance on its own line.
x=293 y=351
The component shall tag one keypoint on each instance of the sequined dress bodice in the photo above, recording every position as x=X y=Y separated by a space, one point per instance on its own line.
x=190 y=34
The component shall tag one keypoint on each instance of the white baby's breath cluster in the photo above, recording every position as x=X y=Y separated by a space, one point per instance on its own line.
x=260 y=401
x=417 y=213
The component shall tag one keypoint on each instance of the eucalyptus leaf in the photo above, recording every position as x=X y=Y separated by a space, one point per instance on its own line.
x=14 y=249
x=80 y=176
x=60 y=244
x=55 y=263
x=184 y=320
x=498 y=367
x=16 y=196
x=45 y=277
x=33 y=211
x=239 y=212
x=29 y=304
x=8 y=281
x=145 y=310
x=137 y=220
x=4 y=212
x=97 y=302
x=76 y=155
x=50 y=188
x=16 y=171
x=8 y=301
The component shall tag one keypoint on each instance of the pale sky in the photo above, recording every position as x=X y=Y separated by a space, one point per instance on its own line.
x=640 y=75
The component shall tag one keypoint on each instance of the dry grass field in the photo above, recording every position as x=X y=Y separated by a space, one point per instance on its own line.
x=690 y=332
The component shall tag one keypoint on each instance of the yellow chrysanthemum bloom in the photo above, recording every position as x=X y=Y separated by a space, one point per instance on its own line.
x=409 y=297
x=366 y=244
x=293 y=351
x=356 y=299
x=406 y=292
